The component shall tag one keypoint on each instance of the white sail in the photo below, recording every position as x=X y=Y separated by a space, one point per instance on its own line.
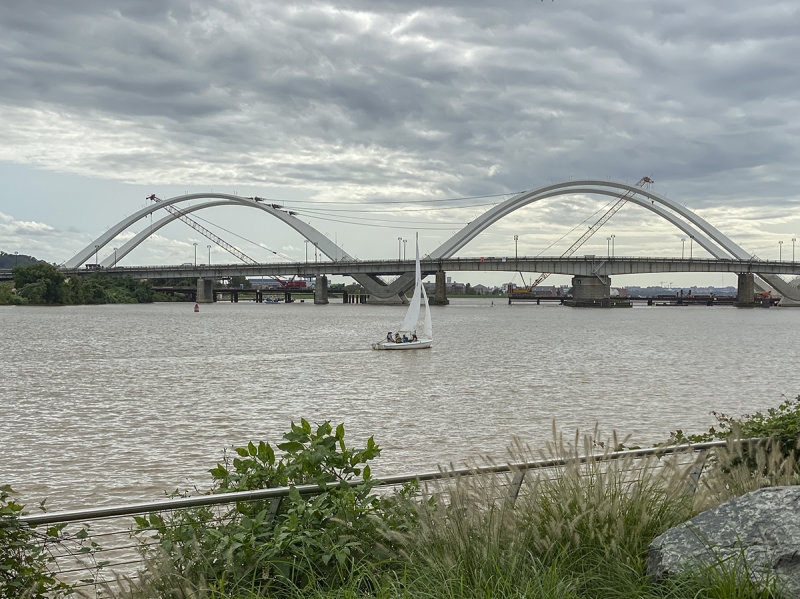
x=410 y=323
x=412 y=315
x=427 y=327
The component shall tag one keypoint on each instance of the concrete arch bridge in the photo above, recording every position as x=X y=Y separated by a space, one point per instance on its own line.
x=701 y=231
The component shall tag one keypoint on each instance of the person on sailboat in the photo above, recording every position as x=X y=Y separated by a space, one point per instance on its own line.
x=389 y=336
x=405 y=338
x=414 y=336
x=397 y=338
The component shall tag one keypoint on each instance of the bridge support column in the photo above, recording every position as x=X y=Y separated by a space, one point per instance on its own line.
x=591 y=292
x=205 y=291
x=746 y=291
x=321 y=290
x=440 y=295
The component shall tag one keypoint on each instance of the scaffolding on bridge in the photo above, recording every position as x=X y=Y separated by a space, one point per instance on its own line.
x=587 y=234
x=230 y=248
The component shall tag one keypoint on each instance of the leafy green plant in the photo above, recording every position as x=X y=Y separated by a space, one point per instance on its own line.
x=781 y=423
x=24 y=555
x=321 y=538
x=779 y=429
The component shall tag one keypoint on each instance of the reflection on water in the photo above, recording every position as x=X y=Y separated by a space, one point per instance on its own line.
x=117 y=403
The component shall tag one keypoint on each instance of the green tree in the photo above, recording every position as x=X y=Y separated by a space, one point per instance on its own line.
x=8 y=296
x=47 y=281
x=238 y=282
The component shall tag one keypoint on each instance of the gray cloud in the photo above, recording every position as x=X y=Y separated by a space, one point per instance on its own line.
x=376 y=100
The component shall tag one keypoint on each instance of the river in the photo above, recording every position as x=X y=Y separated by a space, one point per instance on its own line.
x=119 y=403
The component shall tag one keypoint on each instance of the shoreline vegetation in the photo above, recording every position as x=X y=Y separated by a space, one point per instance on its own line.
x=583 y=533
x=42 y=284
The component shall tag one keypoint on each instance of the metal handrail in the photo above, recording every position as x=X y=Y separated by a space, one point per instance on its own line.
x=96 y=513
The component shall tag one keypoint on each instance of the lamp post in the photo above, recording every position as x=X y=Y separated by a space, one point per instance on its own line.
x=209 y=254
x=683 y=246
x=404 y=248
x=793 y=240
x=195 y=254
x=115 y=257
x=608 y=247
x=399 y=241
x=316 y=247
x=612 y=244
x=306 y=251
x=780 y=251
x=516 y=253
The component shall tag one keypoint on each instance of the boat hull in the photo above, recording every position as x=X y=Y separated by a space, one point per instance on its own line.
x=391 y=345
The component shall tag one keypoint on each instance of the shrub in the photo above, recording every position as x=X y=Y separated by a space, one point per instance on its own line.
x=321 y=539
x=771 y=461
x=24 y=555
x=781 y=424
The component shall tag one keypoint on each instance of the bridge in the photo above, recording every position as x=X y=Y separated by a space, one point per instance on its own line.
x=586 y=266
x=591 y=267
x=591 y=273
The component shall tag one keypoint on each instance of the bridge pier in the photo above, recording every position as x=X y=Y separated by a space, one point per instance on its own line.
x=321 y=290
x=440 y=295
x=745 y=291
x=205 y=291
x=594 y=292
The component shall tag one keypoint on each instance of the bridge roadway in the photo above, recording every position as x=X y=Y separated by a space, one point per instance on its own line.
x=577 y=266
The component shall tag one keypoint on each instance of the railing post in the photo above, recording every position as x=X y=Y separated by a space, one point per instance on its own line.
x=696 y=471
x=516 y=485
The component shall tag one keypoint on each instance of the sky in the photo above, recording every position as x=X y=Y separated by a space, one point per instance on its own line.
x=377 y=120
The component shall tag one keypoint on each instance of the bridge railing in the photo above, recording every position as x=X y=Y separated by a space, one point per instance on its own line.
x=99 y=553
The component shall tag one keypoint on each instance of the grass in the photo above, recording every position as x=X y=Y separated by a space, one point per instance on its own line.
x=580 y=531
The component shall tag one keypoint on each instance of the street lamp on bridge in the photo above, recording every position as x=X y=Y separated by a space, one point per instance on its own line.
x=209 y=254
x=793 y=240
x=516 y=253
x=195 y=254
x=780 y=250
x=608 y=247
x=612 y=244
x=306 y=251
x=404 y=248
x=683 y=246
x=399 y=241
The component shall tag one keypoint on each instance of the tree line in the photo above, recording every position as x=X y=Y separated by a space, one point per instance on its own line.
x=43 y=284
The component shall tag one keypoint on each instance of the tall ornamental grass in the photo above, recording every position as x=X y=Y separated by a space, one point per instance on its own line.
x=577 y=530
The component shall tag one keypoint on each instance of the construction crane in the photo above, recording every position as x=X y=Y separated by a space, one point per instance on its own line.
x=216 y=238
x=591 y=231
x=205 y=232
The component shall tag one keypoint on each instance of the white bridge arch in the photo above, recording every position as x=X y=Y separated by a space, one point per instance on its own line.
x=705 y=234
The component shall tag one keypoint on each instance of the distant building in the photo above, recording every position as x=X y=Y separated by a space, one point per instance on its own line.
x=265 y=283
x=456 y=288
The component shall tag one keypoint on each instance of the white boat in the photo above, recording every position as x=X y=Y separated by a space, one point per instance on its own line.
x=409 y=326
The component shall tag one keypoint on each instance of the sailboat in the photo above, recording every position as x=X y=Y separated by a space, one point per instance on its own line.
x=408 y=329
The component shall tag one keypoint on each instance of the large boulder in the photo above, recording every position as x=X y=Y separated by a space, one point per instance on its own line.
x=761 y=528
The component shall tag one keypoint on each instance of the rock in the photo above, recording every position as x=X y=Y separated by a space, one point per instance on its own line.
x=763 y=527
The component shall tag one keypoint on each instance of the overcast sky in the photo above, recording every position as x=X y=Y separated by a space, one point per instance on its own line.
x=364 y=116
